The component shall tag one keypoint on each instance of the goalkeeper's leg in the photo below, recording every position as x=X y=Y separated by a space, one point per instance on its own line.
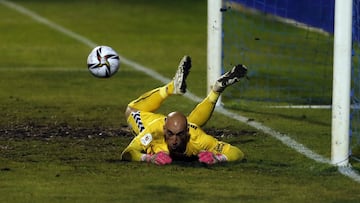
x=152 y=100
x=203 y=111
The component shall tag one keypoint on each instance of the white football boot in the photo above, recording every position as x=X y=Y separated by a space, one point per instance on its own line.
x=181 y=74
x=234 y=75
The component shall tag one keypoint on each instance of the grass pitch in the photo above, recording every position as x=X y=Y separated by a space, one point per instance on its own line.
x=62 y=129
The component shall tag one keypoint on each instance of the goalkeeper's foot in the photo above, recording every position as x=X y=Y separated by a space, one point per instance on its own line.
x=181 y=74
x=234 y=75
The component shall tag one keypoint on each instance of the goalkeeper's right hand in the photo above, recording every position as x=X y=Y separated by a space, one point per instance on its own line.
x=160 y=158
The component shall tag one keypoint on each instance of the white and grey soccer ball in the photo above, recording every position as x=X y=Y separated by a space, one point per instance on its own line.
x=103 y=62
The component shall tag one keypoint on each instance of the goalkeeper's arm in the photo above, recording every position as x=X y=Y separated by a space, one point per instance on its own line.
x=218 y=151
x=231 y=154
x=134 y=153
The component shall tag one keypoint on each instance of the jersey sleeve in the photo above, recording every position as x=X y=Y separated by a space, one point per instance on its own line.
x=150 y=141
x=134 y=151
x=201 y=141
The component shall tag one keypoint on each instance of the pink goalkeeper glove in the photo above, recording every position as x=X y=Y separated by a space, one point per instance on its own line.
x=210 y=158
x=160 y=158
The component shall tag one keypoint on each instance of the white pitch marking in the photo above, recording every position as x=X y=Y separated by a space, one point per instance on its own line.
x=348 y=171
x=59 y=69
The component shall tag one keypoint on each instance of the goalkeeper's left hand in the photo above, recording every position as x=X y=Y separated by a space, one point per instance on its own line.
x=210 y=158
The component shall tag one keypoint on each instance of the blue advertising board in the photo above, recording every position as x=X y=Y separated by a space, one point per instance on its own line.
x=315 y=13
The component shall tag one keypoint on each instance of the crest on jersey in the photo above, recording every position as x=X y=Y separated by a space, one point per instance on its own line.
x=146 y=139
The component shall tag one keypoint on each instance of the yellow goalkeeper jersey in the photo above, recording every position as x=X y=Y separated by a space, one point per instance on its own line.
x=152 y=140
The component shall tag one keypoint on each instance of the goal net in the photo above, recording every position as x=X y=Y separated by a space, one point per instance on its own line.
x=290 y=58
x=289 y=47
x=355 y=83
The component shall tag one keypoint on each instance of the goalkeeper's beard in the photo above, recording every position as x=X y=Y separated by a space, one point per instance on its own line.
x=179 y=149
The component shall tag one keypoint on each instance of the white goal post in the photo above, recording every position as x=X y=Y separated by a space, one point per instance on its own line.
x=214 y=42
x=341 y=83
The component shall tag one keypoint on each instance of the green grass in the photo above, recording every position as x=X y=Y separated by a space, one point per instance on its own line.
x=45 y=84
x=88 y=170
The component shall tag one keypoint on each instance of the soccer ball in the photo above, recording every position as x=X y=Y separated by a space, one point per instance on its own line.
x=103 y=62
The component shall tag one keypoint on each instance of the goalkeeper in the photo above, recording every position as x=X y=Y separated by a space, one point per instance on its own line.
x=161 y=139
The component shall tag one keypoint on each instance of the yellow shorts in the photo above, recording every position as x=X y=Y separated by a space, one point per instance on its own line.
x=138 y=120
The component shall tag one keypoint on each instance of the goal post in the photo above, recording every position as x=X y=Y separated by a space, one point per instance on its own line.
x=341 y=83
x=214 y=42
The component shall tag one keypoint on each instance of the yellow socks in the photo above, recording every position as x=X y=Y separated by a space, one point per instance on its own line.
x=152 y=100
x=203 y=111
